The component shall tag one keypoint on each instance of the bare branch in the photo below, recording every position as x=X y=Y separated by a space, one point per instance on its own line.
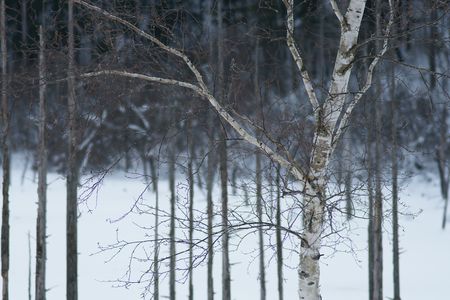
x=148 y=36
x=338 y=13
x=345 y=56
x=297 y=56
x=248 y=137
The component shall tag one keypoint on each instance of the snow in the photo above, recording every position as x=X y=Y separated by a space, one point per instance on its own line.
x=424 y=262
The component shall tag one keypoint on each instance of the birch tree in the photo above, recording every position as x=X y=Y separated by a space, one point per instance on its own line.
x=332 y=115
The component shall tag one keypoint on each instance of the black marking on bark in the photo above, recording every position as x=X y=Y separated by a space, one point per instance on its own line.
x=303 y=275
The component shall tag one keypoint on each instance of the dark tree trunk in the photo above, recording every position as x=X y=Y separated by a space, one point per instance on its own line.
x=444 y=170
x=72 y=172
x=41 y=223
x=154 y=178
x=191 y=209
x=211 y=158
x=370 y=235
x=210 y=207
x=395 y=241
x=278 y=237
x=172 y=275
x=348 y=177
x=223 y=156
x=259 y=211
x=29 y=266
x=378 y=204
x=5 y=157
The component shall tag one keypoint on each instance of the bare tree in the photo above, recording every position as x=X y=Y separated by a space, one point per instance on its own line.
x=370 y=236
x=278 y=237
x=210 y=167
x=378 y=203
x=395 y=157
x=331 y=119
x=223 y=159
x=172 y=274
x=72 y=173
x=5 y=156
x=41 y=223
x=191 y=208
x=259 y=212
x=29 y=266
x=156 y=246
x=258 y=181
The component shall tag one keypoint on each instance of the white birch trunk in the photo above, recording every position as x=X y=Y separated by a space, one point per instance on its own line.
x=326 y=122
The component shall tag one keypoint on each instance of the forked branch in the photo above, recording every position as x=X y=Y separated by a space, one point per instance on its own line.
x=297 y=56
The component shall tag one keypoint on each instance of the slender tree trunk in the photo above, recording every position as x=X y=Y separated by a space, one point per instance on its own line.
x=378 y=214
x=172 y=275
x=223 y=155
x=327 y=118
x=24 y=25
x=72 y=172
x=211 y=161
x=370 y=234
x=191 y=209
x=395 y=225
x=348 y=177
x=156 y=247
x=259 y=211
x=278 y=237
x=444 y=171
x=41 y=223
x=29 y=266
x=210 y=208
x=226 y=278
x=378 y=205
x=5 y=158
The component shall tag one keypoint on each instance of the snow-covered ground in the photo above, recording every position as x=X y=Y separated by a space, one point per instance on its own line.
x=425 y=258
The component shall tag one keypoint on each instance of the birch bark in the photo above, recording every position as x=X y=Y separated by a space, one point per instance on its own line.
x=326 y=123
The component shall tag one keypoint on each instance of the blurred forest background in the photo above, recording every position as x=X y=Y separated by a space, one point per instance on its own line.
x=398 y=130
